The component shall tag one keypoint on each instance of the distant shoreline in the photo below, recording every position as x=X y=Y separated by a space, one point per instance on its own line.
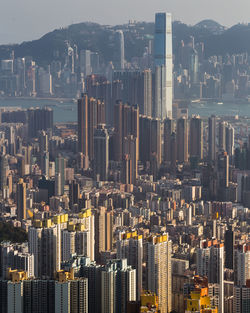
x=37 y=98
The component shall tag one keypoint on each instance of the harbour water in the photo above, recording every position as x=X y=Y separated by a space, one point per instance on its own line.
x=66 y=110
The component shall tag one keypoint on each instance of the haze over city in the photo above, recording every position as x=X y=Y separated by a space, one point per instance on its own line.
x=29 y=20
x=125 y=157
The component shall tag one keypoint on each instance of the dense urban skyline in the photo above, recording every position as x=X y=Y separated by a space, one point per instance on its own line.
x=137 y=205
x=16 y=26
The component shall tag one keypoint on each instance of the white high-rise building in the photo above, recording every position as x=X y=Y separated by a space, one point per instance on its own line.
x=159 y=270
x=130 y=247
x=241 y=266
x=163 y=66
x=68 y=244
x=118 y=286
x=210 y=263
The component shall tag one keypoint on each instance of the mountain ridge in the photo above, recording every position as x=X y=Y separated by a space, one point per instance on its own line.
x=218 y=40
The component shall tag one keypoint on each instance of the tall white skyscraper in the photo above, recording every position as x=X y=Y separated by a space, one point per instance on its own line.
x=119 y=50
x=163 y=66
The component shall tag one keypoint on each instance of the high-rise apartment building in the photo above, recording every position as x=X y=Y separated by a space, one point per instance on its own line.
x=83 y=125
x=21 y=200
x=196 y=138
x=101 y=152
x=118 y=282
x=168 y=130
x=159 y=250
x=126 y=123
x=130 y=247
x=163 y=66
x=210 y=263
x=229 y=248
x=212 y=138
x=182 y=140
x=241 y=264
x=103 y=231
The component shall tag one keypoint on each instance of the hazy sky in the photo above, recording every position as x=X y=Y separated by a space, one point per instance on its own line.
x=22 y=20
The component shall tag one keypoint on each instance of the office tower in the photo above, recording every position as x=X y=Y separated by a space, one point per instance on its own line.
x=196 y=138
x=85 y=62
x=21 y=200
x=74 y=194
x=212 y=138
x=163 y=66
x=92 y=272
x=194 y=66
x=39 y=119
x=83 y=125
x=103 y=231
x=60 y=169
x=119 y=60
x=126 y=120
x=241 y=299
x=168 y=130
x=241 y=264
x=229 y=248
x=118 y=286
x=182 y=140
x=159 y=250
x=210 y=263
x=130 y=247
x=95 y=62
x=101 y=152
x=222 y=135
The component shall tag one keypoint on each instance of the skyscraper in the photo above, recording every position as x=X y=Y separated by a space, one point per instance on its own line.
x=163 y=65
x=101 y=152
x=119 y=61
x=196 y=138
x=85 y=62
x=118 y=286
x=241 y=264
x=83 y=125
x=210 y=263
x=103 y=231
x=212 y=138
x=182 y=140
x=159 y=270
x=168 y=130
x=130 y=247
x=229 y=247
x=21 y=200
